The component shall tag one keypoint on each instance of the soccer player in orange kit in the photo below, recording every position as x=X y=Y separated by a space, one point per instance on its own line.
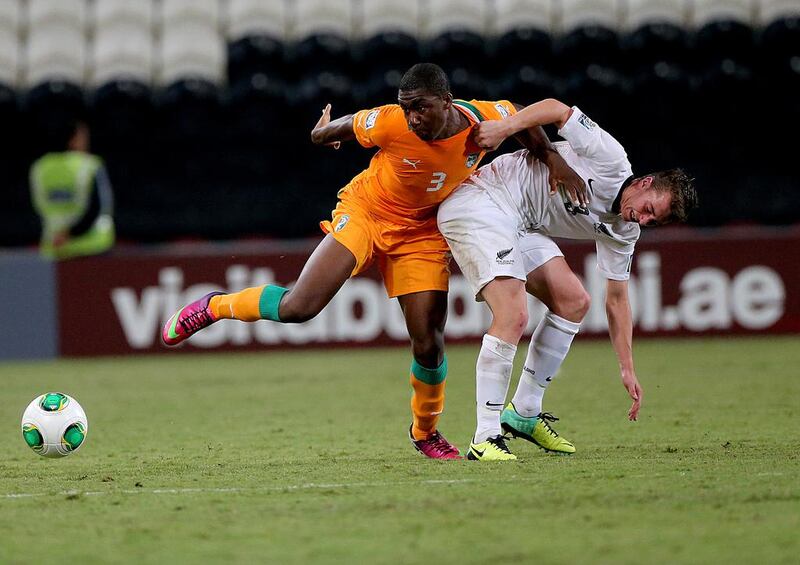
x=387 y=214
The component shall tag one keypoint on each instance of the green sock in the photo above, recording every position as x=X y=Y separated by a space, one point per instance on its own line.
x=429 y=376
x=269 y=302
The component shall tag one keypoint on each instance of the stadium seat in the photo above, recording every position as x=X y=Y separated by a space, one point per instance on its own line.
x=659 y=127
x=108 y=13
x=524 y=30
x=11 y=15
x=256 y=18
x=467 y=84
x=603 y=93
x=192 y=49
x=780 y=34
x=9 y=57
x=121 y=114
x=655 y=31
x=122 y=49
x=379 y=88
x=21 y=225
x=256 y=36
x=727 y=87
x=528 y=84
x=71 y=13
x=189 y=110
x=55 y=50
x=50 y=107
x=589 y=34
x=256 y=108
x=722 y=31
x=456 y=32
x=255 y=119
x=389 y=36
x=322 y=31
x=178 y=12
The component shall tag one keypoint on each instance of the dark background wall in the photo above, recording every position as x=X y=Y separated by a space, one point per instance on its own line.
x=232 y=159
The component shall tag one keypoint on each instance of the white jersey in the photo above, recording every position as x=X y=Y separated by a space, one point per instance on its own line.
x=518 y=184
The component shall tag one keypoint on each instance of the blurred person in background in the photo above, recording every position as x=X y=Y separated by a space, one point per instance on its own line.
x=387 y=215
x=72 y=195
x=499 y=224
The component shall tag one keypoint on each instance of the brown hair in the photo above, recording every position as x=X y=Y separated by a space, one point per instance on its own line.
x=681 y=186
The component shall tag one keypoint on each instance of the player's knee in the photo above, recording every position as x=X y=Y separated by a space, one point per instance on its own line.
x=514 y=325
x=578 y=306
x=583 y=303
x=575 y=306
x=427 y=349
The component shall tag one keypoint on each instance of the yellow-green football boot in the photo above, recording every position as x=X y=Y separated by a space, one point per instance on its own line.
x=493 y=449
x=535 y=429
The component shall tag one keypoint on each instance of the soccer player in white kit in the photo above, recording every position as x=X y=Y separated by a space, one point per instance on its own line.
x=499 y=224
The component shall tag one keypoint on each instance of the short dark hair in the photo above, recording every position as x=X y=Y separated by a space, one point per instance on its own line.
x=681 y=186
x=426 y=76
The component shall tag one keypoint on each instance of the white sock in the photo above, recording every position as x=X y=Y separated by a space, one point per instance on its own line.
x=492 y=376
x=549 y=346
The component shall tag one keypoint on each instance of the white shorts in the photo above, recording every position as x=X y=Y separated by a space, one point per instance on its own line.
x=488 y=242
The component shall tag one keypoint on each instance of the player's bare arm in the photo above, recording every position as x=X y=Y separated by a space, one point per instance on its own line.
x=332 y=133
x=537 y=142
x=491 y=133
x=620 y=329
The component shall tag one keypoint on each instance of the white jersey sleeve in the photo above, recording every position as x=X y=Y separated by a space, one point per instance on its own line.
x=614 y=261
x=591 y=141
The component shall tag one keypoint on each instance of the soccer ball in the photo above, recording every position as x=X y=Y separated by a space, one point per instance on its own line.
x=54 y=425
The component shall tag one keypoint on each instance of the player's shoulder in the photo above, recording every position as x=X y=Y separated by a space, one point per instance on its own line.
x=384 y=116
x=488 y=109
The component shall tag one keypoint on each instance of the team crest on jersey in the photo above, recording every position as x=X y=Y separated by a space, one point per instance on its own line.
x=369 y=123
x=502 y=109
x=472 y=158
x=584 y=120
x=502 y=257
x=341 y=223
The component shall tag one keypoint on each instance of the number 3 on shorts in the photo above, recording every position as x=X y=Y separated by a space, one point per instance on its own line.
x=437 y=181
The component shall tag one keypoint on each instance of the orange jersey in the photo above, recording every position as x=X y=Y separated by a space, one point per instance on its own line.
x=408 y=178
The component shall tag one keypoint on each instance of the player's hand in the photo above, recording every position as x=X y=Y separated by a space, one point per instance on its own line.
x=562 y=175
x=631 y=384
x=323 y=121
x=490 y=134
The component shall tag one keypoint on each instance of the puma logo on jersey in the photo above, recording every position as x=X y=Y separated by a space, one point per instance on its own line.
x=412 y=162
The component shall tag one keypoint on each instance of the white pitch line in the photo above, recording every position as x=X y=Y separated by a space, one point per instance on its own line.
x=304 y=486
x=307 y=486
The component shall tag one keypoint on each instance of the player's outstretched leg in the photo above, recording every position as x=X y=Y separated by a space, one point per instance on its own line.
x=535 y=429
x=329 y=266
x=190 y=319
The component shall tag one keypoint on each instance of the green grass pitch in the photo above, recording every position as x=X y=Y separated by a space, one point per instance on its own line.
x=303 y=457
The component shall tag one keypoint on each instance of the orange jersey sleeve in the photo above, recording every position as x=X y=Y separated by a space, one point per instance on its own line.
x=379 y=126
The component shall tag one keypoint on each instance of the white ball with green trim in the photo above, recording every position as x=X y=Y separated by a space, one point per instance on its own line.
x=54 y=425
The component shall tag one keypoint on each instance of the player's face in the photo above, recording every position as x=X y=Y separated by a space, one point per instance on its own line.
x=645 y=205
x=425 y=113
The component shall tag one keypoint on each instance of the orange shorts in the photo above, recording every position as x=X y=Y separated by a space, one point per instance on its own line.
x=411 y=258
